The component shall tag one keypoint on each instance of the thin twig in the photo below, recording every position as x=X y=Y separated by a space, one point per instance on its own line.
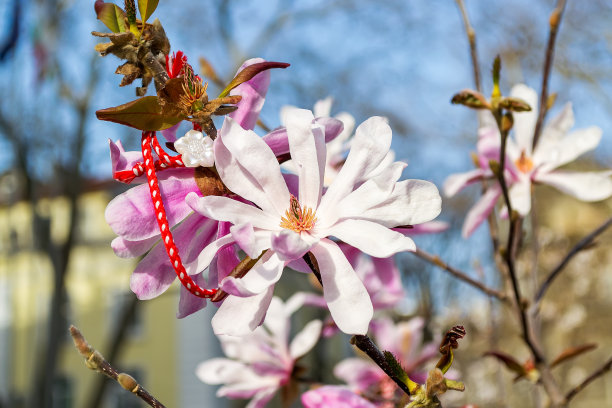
x=471 y=35
x=585 y=242
x=95 y=361
x=435 y=260
x=511 y=248
x=597 y=373
x=554 y=23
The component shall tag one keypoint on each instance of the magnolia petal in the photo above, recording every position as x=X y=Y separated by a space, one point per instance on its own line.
x=411 y=202
x=334 y=396
x=346 y=296
x=249 y=168
x=233 y=211
x=371 y=238
x=524 y=122
x=219 y=371
x=368 y=149
x=153 y=275
x=456 y=182
x=307 y=147
x=207 y=254
x=430 y=227
x=322 y=107
x=262 y=398
x=131 y=215
x=239 y=316
x=278 y=141
x=252 y=242
x=358 y=372
x=290 y=245
x=557 y=127
x=520 y=196
x=248 y=387
x=170 y=133
x=481 y=210
x=188 y=303
x=120 y=159
x=552 y=154
x=132 y=249
x=585 y=186
x=305 y=340
x=253 y=94
x=264 y=274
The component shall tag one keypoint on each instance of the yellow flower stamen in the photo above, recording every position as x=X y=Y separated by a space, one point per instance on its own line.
x=524 y=163
x=296 y=218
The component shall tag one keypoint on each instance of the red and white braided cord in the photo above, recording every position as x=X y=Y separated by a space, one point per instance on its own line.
x=149 y=141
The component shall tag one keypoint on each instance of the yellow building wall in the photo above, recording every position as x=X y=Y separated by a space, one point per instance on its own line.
x=95 y=283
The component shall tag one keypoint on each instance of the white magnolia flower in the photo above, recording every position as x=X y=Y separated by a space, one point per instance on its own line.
x=525 y=166
x=360 y=207
x=196 y=149
x=261 y=362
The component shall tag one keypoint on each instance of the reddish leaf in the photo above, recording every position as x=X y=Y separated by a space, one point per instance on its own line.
x=145 y=114
x=509 y=361
x=572 y=352
x=249 y=72
x=111 y=15
x=146 y=8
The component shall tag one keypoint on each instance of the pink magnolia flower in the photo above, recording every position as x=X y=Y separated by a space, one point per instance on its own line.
x=404 y=340
x=261 y=362
x=526 y=167
x=360 y=207
x=131 y=215
x=334 y=396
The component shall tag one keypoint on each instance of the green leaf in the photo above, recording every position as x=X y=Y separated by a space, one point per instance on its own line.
x=146 y=8
x=249 y=72
x=145 y=114
x=111 y=15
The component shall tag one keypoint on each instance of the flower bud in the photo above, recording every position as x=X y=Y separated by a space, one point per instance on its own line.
x=471 y=99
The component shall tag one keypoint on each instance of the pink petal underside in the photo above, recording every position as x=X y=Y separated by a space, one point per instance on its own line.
x=132 y=249
x=307 y=147
x=345 y=294
x=131 y=215
x=289 y=245
x=253 y=94
x=585 y=186
x=481 y=210
x=249 y=168
x=227 y=258
x=334 y=396
x=278 y=141
x=261 y=399
x=189 y=303
x=430 y=227
x=120 y=159
x=358 y=373
x=207 y=254
x=170 y=133
x=238 y=316
x=219 y=370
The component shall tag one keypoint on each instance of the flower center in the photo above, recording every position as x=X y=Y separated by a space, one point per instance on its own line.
x=297 y=218
x=524 y=163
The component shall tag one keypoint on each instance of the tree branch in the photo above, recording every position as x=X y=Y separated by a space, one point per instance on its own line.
x=462 y=276
x=554 y=23
x=585 y=242
x=95 y=361
x=597 y=373
x=471 y=35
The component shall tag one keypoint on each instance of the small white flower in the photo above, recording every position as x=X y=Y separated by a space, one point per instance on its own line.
x=196 y=149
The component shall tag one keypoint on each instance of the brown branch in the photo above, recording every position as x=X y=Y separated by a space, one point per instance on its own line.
x=471 y=35
x=554 y=23
x=585 y=242
x=435 y=260
x=95 y=361
x=597 y=373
